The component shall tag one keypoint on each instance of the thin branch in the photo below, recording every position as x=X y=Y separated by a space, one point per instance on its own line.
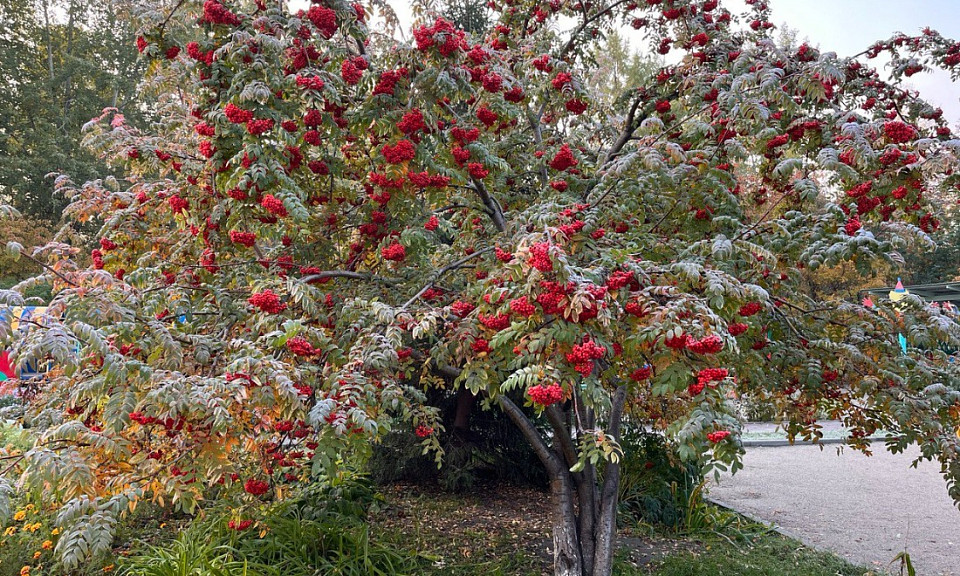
x=440 y=273
x=169 y=16
x=348 y=274
x=50 y=269
x=628 y=129
x=573 y=36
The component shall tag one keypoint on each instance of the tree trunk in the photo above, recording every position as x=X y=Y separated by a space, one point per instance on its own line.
x=461 y=418
x=566 y=537
x=47 y=38
x=584 y=514
x=606 y=532
x=68 y=83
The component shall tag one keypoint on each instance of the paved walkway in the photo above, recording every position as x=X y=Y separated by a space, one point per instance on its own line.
x=865 y=509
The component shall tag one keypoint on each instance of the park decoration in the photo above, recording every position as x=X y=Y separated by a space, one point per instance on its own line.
x=324 y=221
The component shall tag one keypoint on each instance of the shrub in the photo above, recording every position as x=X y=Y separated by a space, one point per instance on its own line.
x=655 y=487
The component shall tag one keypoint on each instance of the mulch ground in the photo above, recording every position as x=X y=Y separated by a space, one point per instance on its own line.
x=493 y=521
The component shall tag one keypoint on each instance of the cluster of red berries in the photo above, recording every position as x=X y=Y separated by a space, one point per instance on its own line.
x=487 y=116
x=561 y=81
x=563 y=159
x=502 y=255
x=583 y=355
x=477 y=170
x=898 y=132
x=395 y=252
x=237 y=115
x=178 y=204
x=215 y=13
x=860 y=189
x=635 y=308
x=310 y=83
x=427 y=180
x=852 y=226
x=324 y=19
x=461 y=308
x=268 y=302
x=411 y=122
x=139 y=418
x=620 y=278
x=239 y=525
x=542 y=63
x=450 y=39
x=677 y=342
x=257 y=127
x=423 y=431
x=301 y=347
x=494 y=321
x=480 y=346
x=709 y=375
x=737 y=328
x=402 y=151
x=256 y=487
x=641 y=374
x=750 y=308
x=545 y=395
x=273 y=205
x=777 y=141
x=522 y=306
x=707 y=345
x=718 y=436
x=247 y=239
x=540 y=257
x=576 y=106
x=553 y=295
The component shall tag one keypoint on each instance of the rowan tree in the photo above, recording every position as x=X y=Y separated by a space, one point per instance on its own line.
x=317 y=230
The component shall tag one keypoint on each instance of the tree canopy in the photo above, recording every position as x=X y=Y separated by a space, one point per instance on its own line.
x=318 y=227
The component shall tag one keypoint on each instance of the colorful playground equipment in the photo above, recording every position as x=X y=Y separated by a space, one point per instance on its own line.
x=944 y=296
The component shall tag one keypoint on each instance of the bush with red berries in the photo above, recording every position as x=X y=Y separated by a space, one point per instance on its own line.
x=318 y=226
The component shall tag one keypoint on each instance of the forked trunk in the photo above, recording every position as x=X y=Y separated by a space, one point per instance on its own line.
x=584 y=514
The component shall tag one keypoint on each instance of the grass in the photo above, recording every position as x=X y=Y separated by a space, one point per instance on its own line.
x=766 y=555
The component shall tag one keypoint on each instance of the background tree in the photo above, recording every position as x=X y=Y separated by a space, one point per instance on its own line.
x=472 y=16
x=62 y=62
x=317 y=229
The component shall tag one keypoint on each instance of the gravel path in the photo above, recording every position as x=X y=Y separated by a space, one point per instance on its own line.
x=865 y=509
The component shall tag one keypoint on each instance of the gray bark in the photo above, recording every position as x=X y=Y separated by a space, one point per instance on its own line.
x=584 y=543
x=606 y=535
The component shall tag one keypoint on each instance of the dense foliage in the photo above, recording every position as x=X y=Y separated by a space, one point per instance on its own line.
x=320 y=226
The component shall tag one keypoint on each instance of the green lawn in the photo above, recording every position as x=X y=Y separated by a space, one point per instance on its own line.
x=767 y=555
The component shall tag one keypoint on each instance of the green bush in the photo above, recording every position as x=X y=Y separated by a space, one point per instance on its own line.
x=655 y=487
